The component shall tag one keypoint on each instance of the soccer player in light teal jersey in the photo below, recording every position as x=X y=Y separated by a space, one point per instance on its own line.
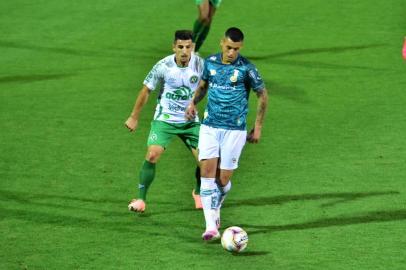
x=201 y=27
x=228 y=77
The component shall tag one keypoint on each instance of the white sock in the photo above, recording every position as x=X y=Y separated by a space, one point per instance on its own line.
x=209 y=194
x=224 y=190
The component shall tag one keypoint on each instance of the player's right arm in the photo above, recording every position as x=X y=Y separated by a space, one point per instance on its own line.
x=199 y=94
x=132 y=121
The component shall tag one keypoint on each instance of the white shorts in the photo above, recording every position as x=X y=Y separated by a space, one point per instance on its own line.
x=221 y=143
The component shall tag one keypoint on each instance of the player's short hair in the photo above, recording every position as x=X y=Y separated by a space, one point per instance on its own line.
x=183 y=35
x=235 y=34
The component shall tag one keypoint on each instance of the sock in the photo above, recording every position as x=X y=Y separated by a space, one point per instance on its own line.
x=198 y=181
x=223 y=192
x=209 y=194
x=147 y=175
x=201 y=37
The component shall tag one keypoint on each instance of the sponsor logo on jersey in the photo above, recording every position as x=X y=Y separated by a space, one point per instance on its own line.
x=182 y=93
x=176 y=108
x=212 y=72
x=194 y=79
x=222 y=87
x=235 y=76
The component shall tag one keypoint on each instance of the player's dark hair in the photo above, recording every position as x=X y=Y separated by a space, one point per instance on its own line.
x=183 y=35
x=234 y=34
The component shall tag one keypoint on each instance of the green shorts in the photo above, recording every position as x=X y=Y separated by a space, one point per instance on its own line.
x=215 y=3
x=161 y=133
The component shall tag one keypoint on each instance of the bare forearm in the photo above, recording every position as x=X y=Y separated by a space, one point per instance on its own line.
x=140 y=102
x=200 y=93
x=261 y=108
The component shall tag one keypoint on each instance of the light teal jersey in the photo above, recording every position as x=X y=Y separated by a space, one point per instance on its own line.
x=228 y=92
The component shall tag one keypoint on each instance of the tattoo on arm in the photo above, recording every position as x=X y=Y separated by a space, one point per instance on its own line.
x=200 y=92
x=262 y=106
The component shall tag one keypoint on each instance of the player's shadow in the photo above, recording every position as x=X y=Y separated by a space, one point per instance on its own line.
x=250 y=253
x=369 y=217
x=33 y=78
x=289 y=92
x=335 y=198
x=29 y=197
x=279 y=58
x=309 y=51
x=60 y=50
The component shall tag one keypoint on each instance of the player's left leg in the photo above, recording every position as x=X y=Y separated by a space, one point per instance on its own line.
x=201 y=27
x=196 y=190
x=189 y=134
x=230 y=150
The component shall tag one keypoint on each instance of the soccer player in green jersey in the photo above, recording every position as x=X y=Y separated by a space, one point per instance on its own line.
x=201 y=27
x=228 y=78
x=178 y=75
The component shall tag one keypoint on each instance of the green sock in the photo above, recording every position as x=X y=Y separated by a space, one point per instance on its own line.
x=147 y=175
x=197 y=27
x=198 y=181
x=201 y=37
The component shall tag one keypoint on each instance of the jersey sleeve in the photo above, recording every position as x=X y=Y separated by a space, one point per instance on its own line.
x=254 y=79
x=205 y=75
x=155 y=76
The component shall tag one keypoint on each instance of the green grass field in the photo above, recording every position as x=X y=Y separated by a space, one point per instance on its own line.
x=324 y=189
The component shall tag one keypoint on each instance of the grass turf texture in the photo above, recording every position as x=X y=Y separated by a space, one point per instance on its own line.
x=323 y=190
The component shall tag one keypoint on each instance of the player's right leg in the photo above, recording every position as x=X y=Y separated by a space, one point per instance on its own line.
x=147 y=175
x=209 y=192
x=159 y=137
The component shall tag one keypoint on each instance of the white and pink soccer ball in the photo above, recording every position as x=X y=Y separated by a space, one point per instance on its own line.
x=234 y=239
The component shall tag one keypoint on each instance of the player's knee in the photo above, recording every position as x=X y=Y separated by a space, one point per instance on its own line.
x=205 y=19
x=153 y=156
x=207 y=172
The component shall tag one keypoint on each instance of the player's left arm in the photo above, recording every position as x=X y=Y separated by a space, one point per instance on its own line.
x=255 y=133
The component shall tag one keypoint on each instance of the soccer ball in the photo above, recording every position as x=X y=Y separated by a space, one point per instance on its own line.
x=234 y=239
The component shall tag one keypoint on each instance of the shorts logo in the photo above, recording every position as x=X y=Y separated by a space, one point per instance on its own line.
x=234 y=160
x=194 y=79
x=153 y=137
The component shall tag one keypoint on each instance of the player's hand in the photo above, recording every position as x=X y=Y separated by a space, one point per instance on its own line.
x=254 y=135
x=131 y=123
x=190 y=112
